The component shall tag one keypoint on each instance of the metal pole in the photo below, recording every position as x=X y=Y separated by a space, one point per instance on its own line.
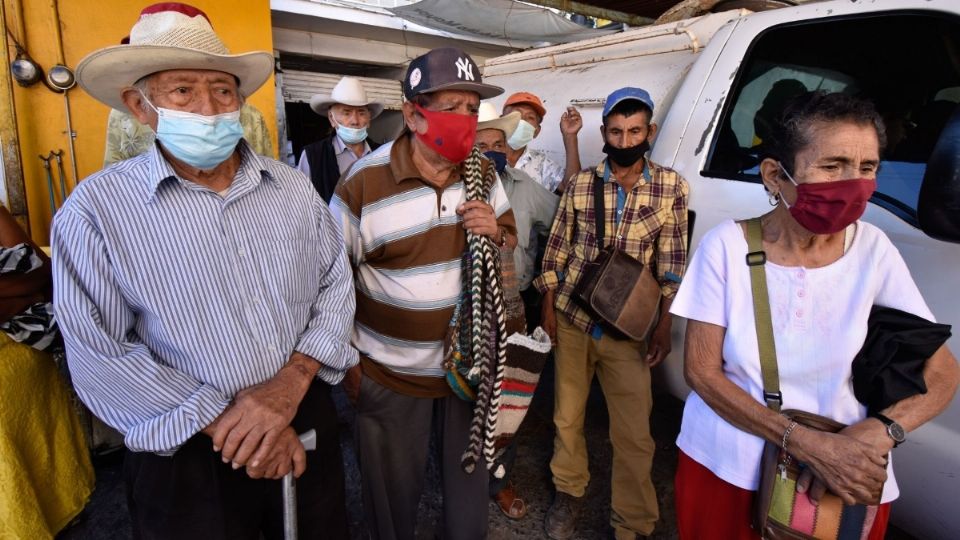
x=289 y=508
x=309 y=441
x=55 y=5
x=71 y=135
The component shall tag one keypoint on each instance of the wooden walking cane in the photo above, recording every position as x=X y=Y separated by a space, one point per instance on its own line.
x=309 y=441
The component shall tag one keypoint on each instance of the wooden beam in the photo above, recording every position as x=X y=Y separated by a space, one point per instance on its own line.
x=594 y=11
x=13 y=188
x=686 y=9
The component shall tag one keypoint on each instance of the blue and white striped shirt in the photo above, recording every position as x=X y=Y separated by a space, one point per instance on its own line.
x=172 y=298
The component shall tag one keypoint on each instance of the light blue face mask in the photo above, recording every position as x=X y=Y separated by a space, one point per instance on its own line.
x=197 y=140
x=351 y=135
x=521 y=136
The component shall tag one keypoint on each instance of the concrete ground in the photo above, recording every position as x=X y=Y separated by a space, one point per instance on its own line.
x=106 y=515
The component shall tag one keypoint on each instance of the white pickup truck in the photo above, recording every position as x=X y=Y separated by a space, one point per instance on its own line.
x=716 y=78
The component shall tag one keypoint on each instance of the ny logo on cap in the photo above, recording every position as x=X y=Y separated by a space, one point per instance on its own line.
x=464 y=69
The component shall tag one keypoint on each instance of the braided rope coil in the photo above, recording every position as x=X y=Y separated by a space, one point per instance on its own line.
x=481 y=328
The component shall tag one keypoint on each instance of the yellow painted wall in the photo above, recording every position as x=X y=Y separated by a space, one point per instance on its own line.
x=87 y=25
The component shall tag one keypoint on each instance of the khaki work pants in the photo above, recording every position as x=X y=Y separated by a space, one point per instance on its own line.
x=625 y=380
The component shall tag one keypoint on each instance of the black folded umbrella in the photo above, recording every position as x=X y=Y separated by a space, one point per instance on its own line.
x=889 y=367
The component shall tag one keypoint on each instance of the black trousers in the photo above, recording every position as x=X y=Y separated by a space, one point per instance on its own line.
x=393 y=441
x=193 y=494
x=532 y=304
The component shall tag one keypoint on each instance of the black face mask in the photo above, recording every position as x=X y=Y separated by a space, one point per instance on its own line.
x=499 y=159
x=626 y=157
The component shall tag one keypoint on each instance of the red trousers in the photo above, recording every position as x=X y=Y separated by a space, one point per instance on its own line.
x=710 y=509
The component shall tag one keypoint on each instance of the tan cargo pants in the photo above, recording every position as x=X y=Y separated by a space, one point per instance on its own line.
x=625 y=379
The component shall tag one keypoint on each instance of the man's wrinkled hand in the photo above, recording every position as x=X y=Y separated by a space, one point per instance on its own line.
x=479 y=218
x=283 y=455
x=256 y=418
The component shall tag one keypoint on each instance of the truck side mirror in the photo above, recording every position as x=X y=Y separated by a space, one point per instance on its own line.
x=938 y=209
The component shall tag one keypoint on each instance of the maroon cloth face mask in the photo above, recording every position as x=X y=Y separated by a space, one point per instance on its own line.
x=829 y=207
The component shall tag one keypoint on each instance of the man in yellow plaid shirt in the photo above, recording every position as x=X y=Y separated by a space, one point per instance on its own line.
x=645 y=209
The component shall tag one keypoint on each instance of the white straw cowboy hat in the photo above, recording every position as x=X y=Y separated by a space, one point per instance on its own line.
x=489 y=118
x=349 y=91
x=168 y=36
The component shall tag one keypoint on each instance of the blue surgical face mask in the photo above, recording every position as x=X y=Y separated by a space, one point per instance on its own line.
x=197 y=140
x=521 y=136
x=351 y=135
x=499 y=159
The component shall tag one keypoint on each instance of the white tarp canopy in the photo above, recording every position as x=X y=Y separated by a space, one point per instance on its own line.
x=503 y=19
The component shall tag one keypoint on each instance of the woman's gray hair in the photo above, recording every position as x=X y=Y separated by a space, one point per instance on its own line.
x=790 y=133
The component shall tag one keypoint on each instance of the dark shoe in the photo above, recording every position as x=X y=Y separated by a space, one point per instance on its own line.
x=561 y=521
x=510 y=503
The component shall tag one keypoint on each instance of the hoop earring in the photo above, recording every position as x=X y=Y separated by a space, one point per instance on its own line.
x=773 y=199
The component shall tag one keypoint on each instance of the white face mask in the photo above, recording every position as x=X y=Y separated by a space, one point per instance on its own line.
x=521 y=136
x=195 y=139
x=351 y=135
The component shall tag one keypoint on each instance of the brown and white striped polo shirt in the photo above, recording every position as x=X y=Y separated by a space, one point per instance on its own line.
x=405 y=241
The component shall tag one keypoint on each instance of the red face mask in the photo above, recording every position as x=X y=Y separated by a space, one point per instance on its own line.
x=450 y=134
x=829 y=207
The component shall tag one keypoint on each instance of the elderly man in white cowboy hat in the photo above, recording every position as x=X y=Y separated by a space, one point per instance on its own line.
x=533 y=209
x=350 y=113
x=204 y=297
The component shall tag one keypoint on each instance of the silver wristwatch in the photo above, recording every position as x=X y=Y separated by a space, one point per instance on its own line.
x=894 y=430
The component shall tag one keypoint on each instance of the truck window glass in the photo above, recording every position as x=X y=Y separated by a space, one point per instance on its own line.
x=914 y=95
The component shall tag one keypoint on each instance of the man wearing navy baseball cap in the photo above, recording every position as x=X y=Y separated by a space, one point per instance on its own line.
x=645 y=217
x=404 y=216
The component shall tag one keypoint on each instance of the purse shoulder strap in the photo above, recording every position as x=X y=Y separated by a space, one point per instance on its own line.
x=598 y=211
x=756 y=260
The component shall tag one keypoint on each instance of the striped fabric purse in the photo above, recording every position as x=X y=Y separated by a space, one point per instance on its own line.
x=780 y=513
x=526 y=356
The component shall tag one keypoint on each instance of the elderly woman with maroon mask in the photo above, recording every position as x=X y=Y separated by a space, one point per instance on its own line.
x=825 y=270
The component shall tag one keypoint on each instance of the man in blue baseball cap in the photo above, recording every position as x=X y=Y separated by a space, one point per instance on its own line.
x=645 y=217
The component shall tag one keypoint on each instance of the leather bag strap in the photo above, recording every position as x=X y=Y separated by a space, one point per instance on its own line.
x=598 y=212
x=756 y=261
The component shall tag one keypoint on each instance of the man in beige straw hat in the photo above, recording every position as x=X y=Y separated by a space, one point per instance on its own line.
x=126 y=137
x=204 y=297
x=350 y=113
